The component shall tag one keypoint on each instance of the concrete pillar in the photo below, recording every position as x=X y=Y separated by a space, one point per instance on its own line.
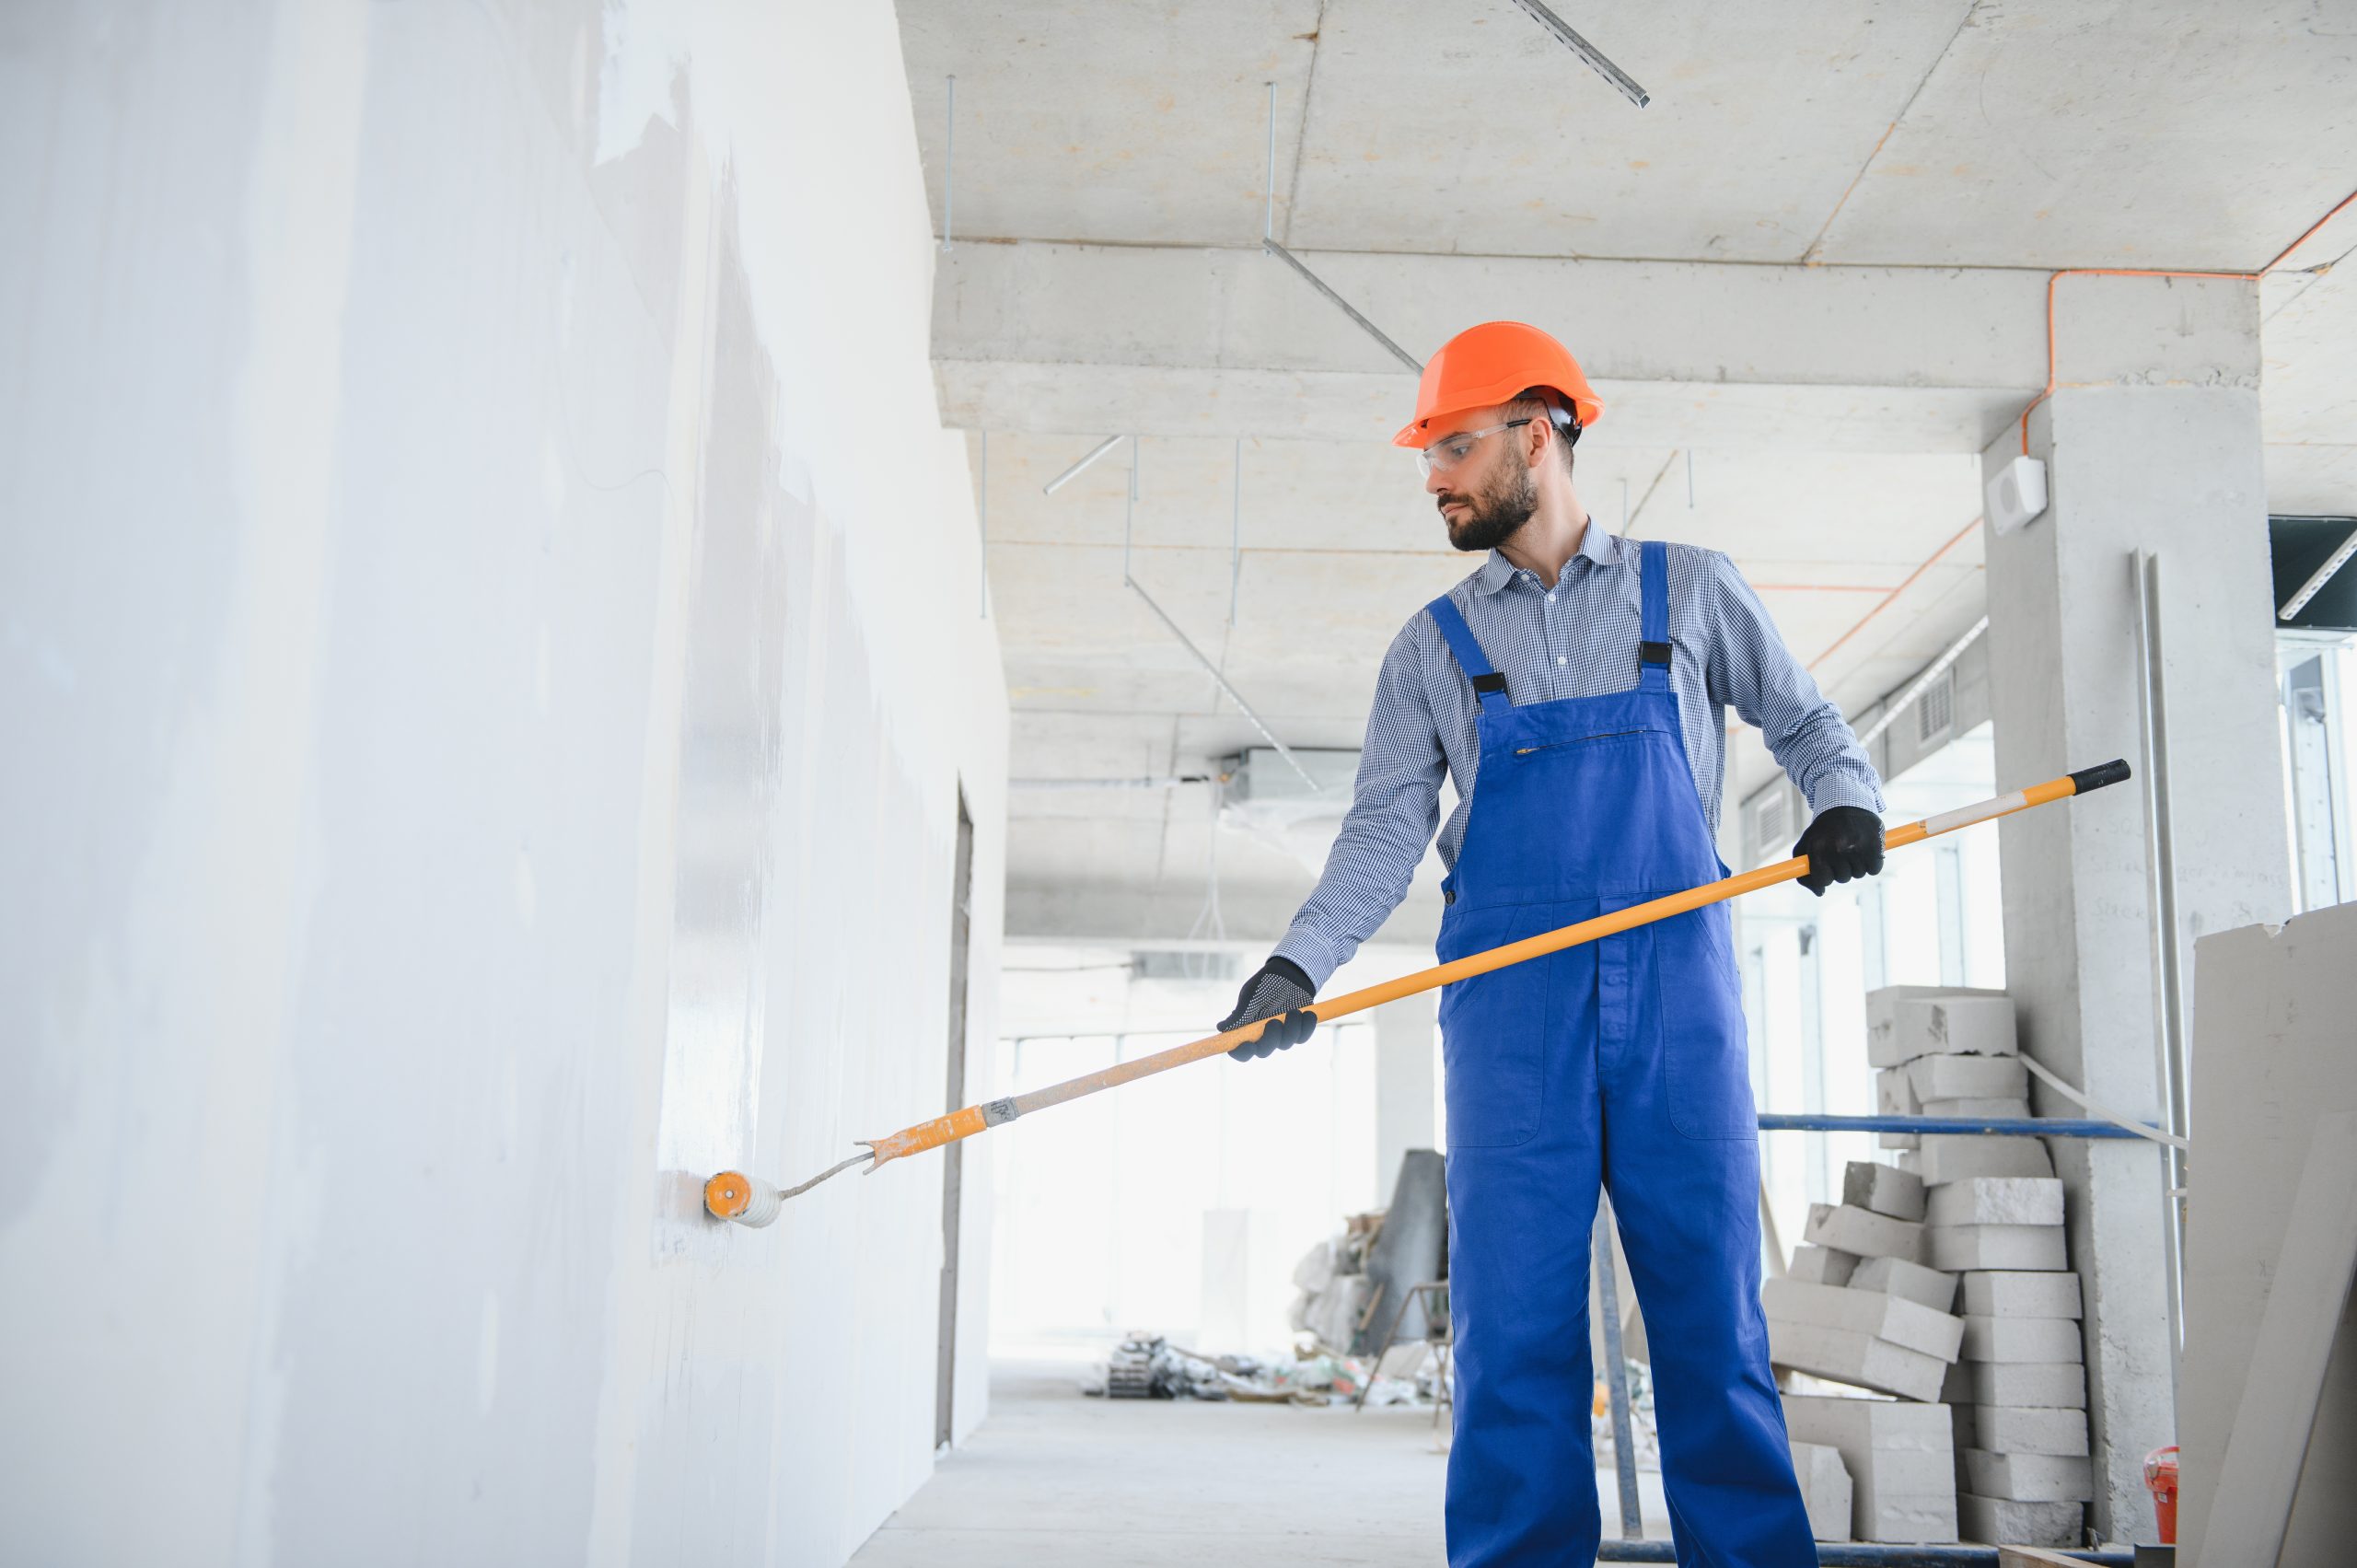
x=2152 y=440
x=1405 y=1037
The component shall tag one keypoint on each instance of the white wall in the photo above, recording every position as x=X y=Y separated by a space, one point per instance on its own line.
x=488 y=647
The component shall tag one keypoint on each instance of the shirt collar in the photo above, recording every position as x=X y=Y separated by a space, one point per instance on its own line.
x=1600 y=545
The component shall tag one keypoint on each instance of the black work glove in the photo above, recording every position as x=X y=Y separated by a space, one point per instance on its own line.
x=1844 y=842
x=1279 y=992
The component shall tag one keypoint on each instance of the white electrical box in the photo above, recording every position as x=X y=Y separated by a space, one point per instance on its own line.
x=2018 y=495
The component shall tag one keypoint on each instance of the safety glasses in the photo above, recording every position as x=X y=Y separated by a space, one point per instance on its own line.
x=1443 y=456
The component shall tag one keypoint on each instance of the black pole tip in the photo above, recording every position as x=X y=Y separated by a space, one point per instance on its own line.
x=2102 y=773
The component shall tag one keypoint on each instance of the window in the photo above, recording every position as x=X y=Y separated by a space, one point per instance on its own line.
x=2318 y=681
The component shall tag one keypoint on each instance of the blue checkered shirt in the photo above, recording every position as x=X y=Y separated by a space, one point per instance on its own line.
x=1578 y=639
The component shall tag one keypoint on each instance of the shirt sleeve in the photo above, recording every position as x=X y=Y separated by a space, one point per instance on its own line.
x=1395 y=807
x=1752 y=671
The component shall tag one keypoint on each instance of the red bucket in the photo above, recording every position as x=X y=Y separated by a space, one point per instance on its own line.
x=2160 y=1476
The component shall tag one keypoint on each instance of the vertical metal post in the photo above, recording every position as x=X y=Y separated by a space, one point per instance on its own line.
x=1268 y=216
x=1624 y=1435
x=949 y=166
x=2168 y=983
x=983 y=574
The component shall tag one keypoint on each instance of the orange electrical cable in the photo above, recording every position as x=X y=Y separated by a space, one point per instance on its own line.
x=1885 y=603
x=2306 y=235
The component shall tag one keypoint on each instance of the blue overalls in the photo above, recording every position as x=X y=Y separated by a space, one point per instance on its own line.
x=1620 y=1061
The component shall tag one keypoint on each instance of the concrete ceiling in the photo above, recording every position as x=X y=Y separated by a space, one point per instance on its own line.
x=1814 y=268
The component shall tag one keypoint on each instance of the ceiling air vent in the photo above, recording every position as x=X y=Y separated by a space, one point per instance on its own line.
x=1935 y=710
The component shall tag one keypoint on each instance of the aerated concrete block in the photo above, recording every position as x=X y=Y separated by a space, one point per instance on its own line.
x=1895 y=1095
x=2048 y=1385
x=1905 y=1323
x=2028 y=1478
x=1846 y=1355
x=1999 y=1294
x=1901 y=1460
x=1994 y=1521
x=1897 y=1276
x=1996 y=1199
x=1824 y=1490
x=1863 y=1231
x=1959 y=1156
x=1884 y=1189
x=1907 y=1021
x=1822 y=1265
x=2016 y=1429
x=1987 y=1109
x=1969 y=1077
x=2022 y=1339
x=1956 y=1248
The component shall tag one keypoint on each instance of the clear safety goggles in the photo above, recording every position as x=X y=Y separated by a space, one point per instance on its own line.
x=1443 y=456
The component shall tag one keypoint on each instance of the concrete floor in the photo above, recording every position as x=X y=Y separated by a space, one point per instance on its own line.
x=1057 y=1480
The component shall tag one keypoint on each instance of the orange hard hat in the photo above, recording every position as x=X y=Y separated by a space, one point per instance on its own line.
x=1489 y=364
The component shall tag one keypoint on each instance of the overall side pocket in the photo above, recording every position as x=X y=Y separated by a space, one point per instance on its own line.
x=1493 y=1029
x=1705 y=1049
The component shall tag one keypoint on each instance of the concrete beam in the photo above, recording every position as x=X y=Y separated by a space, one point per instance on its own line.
x=1177 y=341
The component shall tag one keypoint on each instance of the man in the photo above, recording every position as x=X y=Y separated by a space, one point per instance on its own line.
x=1575 y=687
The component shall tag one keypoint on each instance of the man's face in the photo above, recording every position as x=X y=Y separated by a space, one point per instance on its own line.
x=1485 y=500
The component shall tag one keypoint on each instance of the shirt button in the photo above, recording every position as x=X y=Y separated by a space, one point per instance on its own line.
x=1550 y=598
x=1559 y=658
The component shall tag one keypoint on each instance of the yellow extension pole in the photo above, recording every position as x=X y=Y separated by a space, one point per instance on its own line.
x=733 y=1195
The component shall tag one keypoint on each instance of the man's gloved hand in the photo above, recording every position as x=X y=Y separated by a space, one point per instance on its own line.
x=1844 y=842
x=1280 y=992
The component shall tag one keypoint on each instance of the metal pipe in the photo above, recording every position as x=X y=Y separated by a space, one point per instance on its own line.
x=1241 y=705
x=1923 y=682
x=1868 y=1554
x=1289 y=260
x=2319 y=579
x=1616 y=1378
x=1586 y=51
x=1268 y=216
x=949 y=166
x=2168 y=958
x=2016 y=1126
x=1086 y=458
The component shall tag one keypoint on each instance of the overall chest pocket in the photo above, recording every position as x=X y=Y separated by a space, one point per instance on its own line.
x=1493 y=1028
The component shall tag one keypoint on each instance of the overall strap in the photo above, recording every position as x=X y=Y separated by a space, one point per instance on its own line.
x=1653 y=651
x=1488 y=684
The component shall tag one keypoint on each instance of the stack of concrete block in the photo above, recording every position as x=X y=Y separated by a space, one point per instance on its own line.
x=1900 y=1458
x=1905 y=1023
x=1857 y=1306
x=2020 y=1399
x=1992 y=1218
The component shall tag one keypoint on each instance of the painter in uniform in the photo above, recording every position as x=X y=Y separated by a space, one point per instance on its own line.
x=1582 y=680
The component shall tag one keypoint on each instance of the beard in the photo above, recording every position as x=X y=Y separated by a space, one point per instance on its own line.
x=1493 y=514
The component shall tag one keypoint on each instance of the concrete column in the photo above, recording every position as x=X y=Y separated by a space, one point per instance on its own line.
x=1404 y=1042
x=2152 y=440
